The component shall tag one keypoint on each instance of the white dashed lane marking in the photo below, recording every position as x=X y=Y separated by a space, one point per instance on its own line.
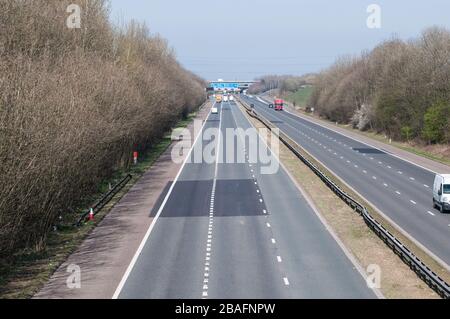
x=432 y=214
x=413 y=202
x=286 y=281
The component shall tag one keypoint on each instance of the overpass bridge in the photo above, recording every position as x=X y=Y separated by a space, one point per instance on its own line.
x=229 y=85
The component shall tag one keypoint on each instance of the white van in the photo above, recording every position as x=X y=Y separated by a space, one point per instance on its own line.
x=231 y=98
x=225 y=98
x=441 y=192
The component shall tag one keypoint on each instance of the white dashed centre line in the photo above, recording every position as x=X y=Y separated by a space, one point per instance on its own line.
x=286 y=281
x=413 y=202
x=431 y=213
x=279 y=259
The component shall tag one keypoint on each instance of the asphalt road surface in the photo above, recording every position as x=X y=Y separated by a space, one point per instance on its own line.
x=399 y=189
x=228 y=231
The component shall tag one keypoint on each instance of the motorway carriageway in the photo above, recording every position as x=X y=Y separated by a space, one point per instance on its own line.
x=227 y=231
x=399 y=189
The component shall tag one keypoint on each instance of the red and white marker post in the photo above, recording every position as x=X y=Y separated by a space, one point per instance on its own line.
x=91 y=214
x=135 y=157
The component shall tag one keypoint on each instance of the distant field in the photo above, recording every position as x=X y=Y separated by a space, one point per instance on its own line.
x=300 y=97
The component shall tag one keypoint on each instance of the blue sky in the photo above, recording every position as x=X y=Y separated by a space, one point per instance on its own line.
x=248 y=38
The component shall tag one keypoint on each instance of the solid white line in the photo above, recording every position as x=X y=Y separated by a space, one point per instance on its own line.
x=166 y=198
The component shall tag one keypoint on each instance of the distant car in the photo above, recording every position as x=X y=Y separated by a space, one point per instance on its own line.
x=441 y=192
x=225 y=98
x=214 y=110
x=231 y=98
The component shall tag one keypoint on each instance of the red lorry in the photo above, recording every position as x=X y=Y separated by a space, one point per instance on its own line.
x=278 y=103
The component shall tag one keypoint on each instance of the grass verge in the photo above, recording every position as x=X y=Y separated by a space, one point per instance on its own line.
x=300 y=97
x=22 y=275
x=397 y=280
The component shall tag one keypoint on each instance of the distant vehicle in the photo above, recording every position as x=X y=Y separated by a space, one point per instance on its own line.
x=441 y=192
x=271 y=105
x=218 y=98
x=278 y=103
x=214 y=110
x=225 y=98
x=231 y=98
x=252 y=105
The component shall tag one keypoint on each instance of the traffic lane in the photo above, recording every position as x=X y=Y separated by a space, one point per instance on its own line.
x=196 y=167
x=431 y=230
x=170 y=263
x=368 y=168
x=242 y=263
x=313 y=263
x=409 y=170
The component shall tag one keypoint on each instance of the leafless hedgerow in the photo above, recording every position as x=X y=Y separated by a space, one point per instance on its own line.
x=74 y=104
x=401 y=88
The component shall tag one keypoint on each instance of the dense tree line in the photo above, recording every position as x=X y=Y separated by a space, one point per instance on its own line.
x=282 y=83
x=74 y=104
x=400 y=88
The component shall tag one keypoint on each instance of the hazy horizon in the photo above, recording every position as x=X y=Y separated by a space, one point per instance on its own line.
x=246 y=40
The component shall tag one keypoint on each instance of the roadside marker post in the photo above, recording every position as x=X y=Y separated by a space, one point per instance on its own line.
x=135 y=157
x=91 y=214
